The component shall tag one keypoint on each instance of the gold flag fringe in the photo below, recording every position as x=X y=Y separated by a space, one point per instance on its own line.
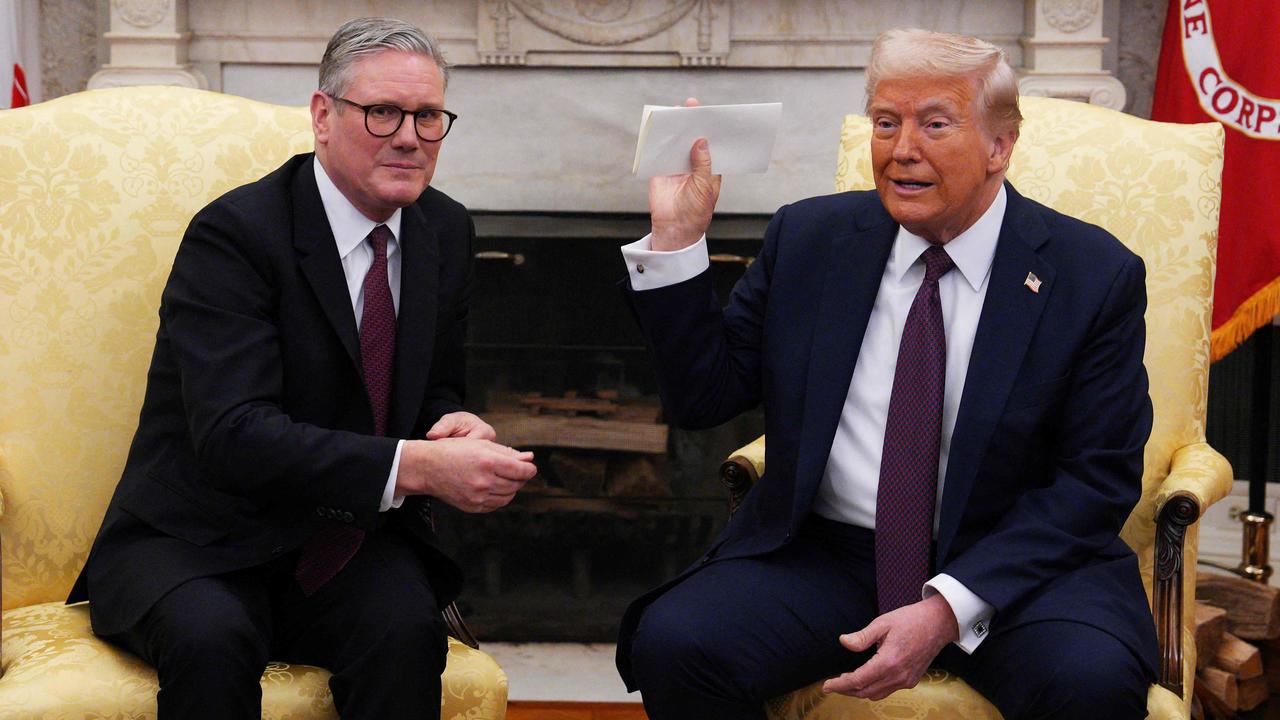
x=1252 y=314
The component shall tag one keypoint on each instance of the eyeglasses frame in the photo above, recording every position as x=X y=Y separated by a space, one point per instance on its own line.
x=366 y=108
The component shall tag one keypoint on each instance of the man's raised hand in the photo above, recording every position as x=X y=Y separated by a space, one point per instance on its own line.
x=681 y=205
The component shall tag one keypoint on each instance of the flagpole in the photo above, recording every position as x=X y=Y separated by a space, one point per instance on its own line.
x=1255 y=561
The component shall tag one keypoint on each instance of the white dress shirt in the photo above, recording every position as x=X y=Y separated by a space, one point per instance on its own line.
x=351 y=234
x=848 y=490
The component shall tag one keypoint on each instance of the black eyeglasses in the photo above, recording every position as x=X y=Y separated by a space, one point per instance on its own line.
x=382 y=120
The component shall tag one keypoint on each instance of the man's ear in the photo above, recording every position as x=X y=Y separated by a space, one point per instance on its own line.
x=321 y=117
x=1001 y=150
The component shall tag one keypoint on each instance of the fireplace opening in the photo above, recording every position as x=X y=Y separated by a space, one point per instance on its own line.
x=557 y=365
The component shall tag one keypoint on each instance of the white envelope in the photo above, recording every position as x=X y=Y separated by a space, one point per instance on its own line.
x=741 y=138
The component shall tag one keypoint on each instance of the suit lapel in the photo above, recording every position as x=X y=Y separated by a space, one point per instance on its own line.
x=318 y=258
x=855 y=262
x=1010 y=314
x=416 y=320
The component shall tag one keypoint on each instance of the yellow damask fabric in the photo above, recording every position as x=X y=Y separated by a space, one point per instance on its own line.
x=55 y=669
x=1156 y=187
x=96 y=189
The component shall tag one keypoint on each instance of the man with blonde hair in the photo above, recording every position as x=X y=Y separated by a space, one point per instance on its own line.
x=956 y=409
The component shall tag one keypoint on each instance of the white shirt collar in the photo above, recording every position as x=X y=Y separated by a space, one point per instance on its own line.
x=350 y=227
x=972 y=250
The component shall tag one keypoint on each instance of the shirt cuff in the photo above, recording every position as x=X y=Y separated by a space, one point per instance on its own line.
x=389 y=499
x=652 y=269
x=973 y=614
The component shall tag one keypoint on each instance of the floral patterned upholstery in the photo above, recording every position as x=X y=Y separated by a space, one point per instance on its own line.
x=1156 y=187
x=96 y=189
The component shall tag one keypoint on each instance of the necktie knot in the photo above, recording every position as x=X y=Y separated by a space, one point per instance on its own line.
x=936 y=263
x=379 y=238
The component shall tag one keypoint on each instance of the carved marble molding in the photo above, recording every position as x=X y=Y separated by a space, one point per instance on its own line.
x=630 y=33
x=142 y=13
x=149 y=40
x=1095 y=89
x=1061 y=40
x=118 y=76
x=1062 y=53
x=1070 y=16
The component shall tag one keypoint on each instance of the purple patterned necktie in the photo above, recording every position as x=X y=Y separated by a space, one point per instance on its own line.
x=334 y=544
x=908 y=489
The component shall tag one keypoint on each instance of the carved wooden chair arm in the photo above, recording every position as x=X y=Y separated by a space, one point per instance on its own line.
x=742 y=470
x=1198 y=477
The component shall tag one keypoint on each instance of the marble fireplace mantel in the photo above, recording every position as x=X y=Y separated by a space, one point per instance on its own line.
x=550 y=91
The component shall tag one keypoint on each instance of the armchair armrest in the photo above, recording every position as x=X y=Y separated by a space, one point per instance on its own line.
x=742 y=470
x=1198 y=477
x=1199 y=472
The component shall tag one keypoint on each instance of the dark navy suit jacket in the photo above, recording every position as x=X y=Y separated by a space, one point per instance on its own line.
x=256 y=425
x=1046 y=457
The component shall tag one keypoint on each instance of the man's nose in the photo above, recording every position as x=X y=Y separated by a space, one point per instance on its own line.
x=406 y=136
x=905 y=146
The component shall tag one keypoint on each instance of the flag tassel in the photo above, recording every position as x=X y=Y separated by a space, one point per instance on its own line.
x=1253 y=313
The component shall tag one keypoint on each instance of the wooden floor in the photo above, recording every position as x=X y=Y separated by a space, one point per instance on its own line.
x=529 y=710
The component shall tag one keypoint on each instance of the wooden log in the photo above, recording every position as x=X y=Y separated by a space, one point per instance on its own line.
x=521 y=430
x=1253 y=609
x=1251 y=692
x=1211 y=624
x=637 y=477
x=1238 y=658
x=570 y=404
x=1220 y=686
x=581 y=473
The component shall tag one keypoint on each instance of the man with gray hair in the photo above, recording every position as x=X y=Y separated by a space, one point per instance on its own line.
x=303 y=409
x=955 y=406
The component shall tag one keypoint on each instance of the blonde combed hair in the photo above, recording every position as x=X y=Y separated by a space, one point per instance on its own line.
x=912 y=52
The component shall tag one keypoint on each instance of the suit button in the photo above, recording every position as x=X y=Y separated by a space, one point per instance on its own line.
x=320 y=511
x=348 y=517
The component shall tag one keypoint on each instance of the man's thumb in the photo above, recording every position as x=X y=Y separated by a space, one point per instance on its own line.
x=858 y=641
x=700 y=157
x=443 y=428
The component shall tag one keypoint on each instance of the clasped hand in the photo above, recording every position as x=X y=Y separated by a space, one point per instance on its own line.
x=460 y=464
x=906 y=640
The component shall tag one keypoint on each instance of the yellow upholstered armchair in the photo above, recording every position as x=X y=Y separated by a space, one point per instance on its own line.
x=1156 y=187
x=96 y=190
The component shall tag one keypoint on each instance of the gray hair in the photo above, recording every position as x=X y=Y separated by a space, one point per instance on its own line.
x=359 y=38
x=912 y=52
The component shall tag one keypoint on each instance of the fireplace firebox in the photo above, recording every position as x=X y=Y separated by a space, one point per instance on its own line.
x=557 y=365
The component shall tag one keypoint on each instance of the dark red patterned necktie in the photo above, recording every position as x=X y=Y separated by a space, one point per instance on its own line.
x=334 y=543
x=908 y=489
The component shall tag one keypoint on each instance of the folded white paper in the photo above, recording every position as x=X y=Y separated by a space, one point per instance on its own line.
x=741 y=138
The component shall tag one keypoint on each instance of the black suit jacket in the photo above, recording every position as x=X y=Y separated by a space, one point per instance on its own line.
x=1045 y=462
x=256 y=424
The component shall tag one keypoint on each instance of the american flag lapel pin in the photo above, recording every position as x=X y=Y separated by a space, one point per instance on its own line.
x=1032 y=282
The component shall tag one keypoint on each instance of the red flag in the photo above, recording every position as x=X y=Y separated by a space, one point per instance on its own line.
x=1219 y=63
x=13 y=80
x=20 y=97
